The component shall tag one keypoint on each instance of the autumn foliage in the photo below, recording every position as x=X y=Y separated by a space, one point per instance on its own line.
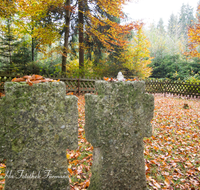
x=194 y=38
x=112 y=33
x=34 y=79
x=136 y=56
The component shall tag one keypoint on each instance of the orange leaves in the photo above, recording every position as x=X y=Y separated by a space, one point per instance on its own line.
x=70 y=171
x=113 y=79
x=135 y=79
x=34 y=79
x=1 y=94
x=2 y=165
x=18 y=80
x=109 y=79
x=2 y=175
x=112 y=7
x=171 y=153
x=70 y=93
x=114 y=34
x=194 y=38
x=80 y=161
x=87 y=183
x=106 y=79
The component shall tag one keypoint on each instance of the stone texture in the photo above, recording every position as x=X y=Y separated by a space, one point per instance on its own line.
x=38 y=124
x=117 y=120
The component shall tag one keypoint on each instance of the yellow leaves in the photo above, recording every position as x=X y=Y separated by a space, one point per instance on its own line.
x=112 y=7
x=137 y=55
x=7 y=8
x=178 y=132
x=31 y=8
x=29 y=13
x=45 y=36
x=68 y=156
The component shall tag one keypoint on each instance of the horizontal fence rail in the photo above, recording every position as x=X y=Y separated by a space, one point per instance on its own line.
x=86 y=85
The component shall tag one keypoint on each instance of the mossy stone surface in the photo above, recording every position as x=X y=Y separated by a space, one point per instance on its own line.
x=117 y=120
x=39 y=123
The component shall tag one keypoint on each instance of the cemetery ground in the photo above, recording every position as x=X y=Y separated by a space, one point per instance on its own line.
x=172 y=154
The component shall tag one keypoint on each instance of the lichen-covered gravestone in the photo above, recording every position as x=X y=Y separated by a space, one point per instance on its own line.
x=38 y=124
x=117 y=120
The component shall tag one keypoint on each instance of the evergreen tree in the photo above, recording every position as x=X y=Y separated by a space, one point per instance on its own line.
x=173 y=67
x=22 y=56
x=8 y=43
x=158 y=42
x=172 y=25
x=186 y=19
x=160 y=26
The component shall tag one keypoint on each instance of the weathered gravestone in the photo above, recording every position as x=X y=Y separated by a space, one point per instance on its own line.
x=117 y=120
x=38 y=124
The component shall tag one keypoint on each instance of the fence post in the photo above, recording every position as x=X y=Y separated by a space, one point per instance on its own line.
x=78 y=86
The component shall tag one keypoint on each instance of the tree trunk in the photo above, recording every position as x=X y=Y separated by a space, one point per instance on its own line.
x=81 y=48
x=89 y=54
x=66 y=35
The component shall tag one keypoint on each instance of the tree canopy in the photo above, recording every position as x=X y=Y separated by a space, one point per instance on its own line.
x=194 y=37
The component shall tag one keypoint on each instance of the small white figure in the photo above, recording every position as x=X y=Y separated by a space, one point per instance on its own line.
x=120 y=77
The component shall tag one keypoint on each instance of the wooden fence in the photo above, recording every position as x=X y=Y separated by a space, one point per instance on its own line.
x=173 y=87
x=75 y=85
x=85 y=85
x=78 y=85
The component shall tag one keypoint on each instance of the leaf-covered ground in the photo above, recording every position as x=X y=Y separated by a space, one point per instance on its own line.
x=172 y=154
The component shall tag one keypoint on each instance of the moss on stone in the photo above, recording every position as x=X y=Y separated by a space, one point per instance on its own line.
x=117 y=119
x=34 y=138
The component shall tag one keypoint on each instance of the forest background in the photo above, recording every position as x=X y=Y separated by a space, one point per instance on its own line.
x=95 y=38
